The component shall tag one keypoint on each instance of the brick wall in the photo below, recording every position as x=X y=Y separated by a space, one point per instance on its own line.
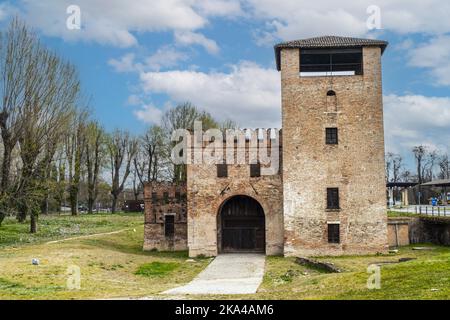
x=163 y=199
x=355 y=165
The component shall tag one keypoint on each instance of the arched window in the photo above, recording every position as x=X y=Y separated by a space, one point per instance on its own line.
x=331 y=101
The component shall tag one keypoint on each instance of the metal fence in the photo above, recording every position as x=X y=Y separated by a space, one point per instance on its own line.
x=428 y=210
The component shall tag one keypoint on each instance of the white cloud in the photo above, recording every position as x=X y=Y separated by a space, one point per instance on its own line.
x=220 y=7
x=434 y=55
x=114 y=22
x=424 y=120
x=125 y=64
x=165 y=57
x=248 y=94
x=293 y=19
x=149 y=114
x=190 y=38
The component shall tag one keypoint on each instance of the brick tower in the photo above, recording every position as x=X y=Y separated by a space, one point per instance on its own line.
x=333 y=146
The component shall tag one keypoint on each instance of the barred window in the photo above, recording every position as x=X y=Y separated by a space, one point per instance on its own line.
x=331 y=136
x=166 y=197
x=169 y=226
x=222 y=170
x=333 y=233
x=255 y=170
x=332 y=198
x=154 y=197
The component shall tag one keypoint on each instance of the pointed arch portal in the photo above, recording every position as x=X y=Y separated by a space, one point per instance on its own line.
x=241 y=225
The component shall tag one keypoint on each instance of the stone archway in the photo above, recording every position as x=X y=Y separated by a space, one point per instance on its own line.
x=241 y=225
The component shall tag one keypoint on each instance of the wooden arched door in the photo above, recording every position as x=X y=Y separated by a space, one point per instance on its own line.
x=242 y=225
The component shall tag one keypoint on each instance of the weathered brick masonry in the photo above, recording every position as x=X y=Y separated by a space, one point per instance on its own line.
x=163 y=199
x=355 y=165
x=298 y=219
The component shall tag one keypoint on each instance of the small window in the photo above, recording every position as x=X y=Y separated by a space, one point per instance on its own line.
x=166 y=197
x=332 y=198
x=333 y=233
x=331 y=93
x=154 y=197
x=255 y=170
x=178 y=196
x=222 y=170
x=331 y=136
x=169 y=226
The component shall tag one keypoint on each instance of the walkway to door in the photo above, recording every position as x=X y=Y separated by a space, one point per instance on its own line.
x=231 y=273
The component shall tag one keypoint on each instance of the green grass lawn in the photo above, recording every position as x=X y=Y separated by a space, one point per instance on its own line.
x=54 y=227
x=114 y=266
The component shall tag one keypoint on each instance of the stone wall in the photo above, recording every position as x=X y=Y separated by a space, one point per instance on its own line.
x=355 y=165
x=162 y=199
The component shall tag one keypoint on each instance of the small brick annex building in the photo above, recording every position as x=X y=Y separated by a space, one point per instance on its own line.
x=328 y=196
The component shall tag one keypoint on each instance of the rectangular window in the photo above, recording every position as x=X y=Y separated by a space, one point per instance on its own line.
x=331 y=62
x=332 y=198
x=178 y=196
x=333 y=233
x=331 y=135
x=222 y=170
x=166 y=197
x=154 y=197
x=255 y=170
x=169 y=226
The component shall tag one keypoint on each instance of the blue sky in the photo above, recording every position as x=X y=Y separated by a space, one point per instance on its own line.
x=138 y=58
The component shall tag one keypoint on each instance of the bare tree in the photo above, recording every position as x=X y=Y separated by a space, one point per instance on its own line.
x=419 y=155
x=46 y=116
x=75 y=151
x=17 y=48
x=183 y=117
x=122 y=149
x=388 y=161
x=444 y=167
x=431 y=160
x=94 y=160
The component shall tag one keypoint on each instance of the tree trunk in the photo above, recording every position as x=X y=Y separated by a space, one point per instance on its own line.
x=6 y=165
x=114 y=203
x=90 y=205
x=33 y=222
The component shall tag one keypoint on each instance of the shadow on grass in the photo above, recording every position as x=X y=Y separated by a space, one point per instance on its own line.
x=132 y=247
x=18 y=289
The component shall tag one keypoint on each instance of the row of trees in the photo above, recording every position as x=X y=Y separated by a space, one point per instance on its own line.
x=52 y=151
x=429 y=165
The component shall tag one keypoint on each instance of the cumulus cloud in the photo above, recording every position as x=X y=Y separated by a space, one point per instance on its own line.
x=248 y=93
x=149 y=114
x=292 y=19
x=425 y=120
x=190 y=38
x=165 y=57
x=115 y=22
x=434 y=55
x=124 y=64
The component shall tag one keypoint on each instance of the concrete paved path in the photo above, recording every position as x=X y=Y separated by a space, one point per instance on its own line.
x=232 y=273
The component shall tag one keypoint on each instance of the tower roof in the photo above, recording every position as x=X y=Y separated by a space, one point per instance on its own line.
x=328 y=42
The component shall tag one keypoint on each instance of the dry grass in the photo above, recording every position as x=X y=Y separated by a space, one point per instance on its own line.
x=108 y=267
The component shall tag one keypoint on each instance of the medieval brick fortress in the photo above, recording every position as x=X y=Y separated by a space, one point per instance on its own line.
x=328 y=196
